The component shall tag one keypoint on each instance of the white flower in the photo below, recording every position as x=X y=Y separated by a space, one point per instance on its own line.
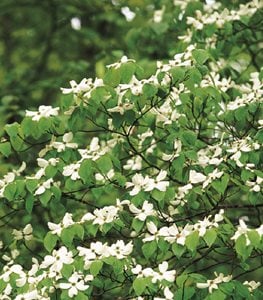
x=144 y=212
x=242 y=229
x=75 y=23
x=195 y=177
x=57 y=228
x=106 y=214
x=255 y=185
x=164 y=274
x=134 y=163
x=212 y=176
x=72 y=170
x=168 y=294
x=121 y=107
x=61 y=146
x=84 y=88
x=158 y=183
x=46 y=185
x=123 y=60
x=172 y=234
x=57 y=259
x=43 y=112
x=252 y=285
x=32 y=295
x=213 y=284
x=26 y=233
x=137 y=183
x=75 y=284
x=120 y=250
x=102 y=177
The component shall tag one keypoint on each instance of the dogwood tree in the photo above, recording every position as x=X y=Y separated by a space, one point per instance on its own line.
x=145 y=187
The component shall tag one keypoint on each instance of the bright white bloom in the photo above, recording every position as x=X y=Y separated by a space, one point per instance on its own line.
x=255 y=185
x=212 y=176
x=164 y=274
x=75 y=284
x=146 y=210
x=43 y=112
x=129 y=14
x=26 y=233
x=122 y=61
x=58 y=258
x=242 y=229
x=103 y=178
x=138 y=182
x=8 y=270
x=57 y=228
x=252 y=285
x=84 y=88
x=46 y=185
x=72 y=170
x=213 y=284
x=196 y=177
x=61 y=146
x=159 y=183
x=168 y=294
x=120 y=250
x=106 y=214
x=173 y=234
x=75 y=23
x=134 y=163
x=32 y=295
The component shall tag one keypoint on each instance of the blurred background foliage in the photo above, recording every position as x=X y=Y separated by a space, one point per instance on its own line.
x=45 y=44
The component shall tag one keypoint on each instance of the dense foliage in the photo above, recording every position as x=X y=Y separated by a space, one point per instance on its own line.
x=144 y=182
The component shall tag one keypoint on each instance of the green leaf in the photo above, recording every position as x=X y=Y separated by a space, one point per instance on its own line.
x=148 y=249
x=12 y=129
x=10 y=191
x=254 y=238
x=227 y=288
x=29 y=203
x=217 y=295
x=50 y=241
x=178 y=250
x=67 y=270
x=45 y=198
x=210 y=236
x=188 y=138
x=221 y=185
x=112 y=77
x=104 y=163
x=5 y=148
x=95 y=267
x=181 y=280
x=127 y=70
x=67 y=237
x=77 y=230
x=192 y=241
x=158 y=195
x=241 y=247
x=200 y=56
x=177 y=167
x=31 y=185
x=86 y=171
x=137 y=225
x=139 y=285
x=149 y=90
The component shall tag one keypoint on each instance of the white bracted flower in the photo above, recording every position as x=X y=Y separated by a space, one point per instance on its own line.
x=57 y=228
x=75 y=284
x=26 y=233
x=43 y=112
x=213 y=284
